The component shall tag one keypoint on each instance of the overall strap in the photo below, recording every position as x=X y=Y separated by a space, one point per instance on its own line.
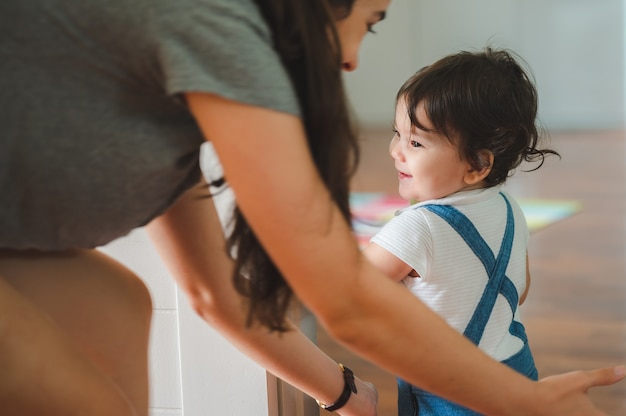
x=495 y=267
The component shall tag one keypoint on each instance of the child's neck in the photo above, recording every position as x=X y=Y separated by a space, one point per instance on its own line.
x=467 y=188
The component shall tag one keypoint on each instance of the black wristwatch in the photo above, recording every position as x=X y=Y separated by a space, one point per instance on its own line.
x=348 y=388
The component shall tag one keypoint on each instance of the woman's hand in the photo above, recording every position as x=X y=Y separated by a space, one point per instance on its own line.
x=567 y=393
x=363 y=403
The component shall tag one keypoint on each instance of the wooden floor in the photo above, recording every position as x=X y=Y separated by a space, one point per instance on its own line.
x=575 y=313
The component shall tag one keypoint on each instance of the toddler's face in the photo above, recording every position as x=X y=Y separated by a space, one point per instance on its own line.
x=429 y=165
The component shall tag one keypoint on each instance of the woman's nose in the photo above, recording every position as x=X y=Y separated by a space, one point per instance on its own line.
x=350 y=64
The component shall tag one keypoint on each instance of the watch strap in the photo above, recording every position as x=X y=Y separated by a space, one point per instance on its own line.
x=349 y=387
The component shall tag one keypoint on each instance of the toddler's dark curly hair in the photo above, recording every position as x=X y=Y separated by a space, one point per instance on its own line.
x=480 y=101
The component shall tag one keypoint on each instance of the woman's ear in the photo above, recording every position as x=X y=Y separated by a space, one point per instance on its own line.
x=481 y=170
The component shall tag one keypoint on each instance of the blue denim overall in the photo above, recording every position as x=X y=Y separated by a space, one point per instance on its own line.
x=413 y=401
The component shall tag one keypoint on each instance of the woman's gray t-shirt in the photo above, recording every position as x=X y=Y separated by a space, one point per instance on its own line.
x=96 y=139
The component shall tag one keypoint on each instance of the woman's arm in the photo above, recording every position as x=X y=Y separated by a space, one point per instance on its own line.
x=189 y=238
x=267 y=163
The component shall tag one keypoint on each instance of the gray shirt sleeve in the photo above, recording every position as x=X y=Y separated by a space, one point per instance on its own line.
x=222 y=47
x=95 y=138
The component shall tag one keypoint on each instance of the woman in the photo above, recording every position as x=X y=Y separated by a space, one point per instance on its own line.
x=104 y=109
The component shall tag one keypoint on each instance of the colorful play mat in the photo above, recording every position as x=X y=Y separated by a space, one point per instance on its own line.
x=371 y=210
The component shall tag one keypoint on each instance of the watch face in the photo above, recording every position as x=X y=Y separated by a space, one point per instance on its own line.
x=323 y=405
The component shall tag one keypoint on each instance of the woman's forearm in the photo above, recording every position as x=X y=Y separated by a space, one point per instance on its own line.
x=294 y=217
x=439 y=360
x=283 y=355
x=203 y=270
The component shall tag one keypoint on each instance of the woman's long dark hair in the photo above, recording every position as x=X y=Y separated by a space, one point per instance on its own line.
x=305 y=39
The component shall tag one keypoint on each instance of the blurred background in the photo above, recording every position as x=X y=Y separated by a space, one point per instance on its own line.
x=575 y=314
x=575 y=48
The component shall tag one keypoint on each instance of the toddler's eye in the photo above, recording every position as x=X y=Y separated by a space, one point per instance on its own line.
x=414 y=143
x=370 y=29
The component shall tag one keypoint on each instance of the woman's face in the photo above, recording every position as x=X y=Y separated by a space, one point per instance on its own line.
x=352 y=29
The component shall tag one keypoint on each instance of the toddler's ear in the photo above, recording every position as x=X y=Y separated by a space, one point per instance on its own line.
x=477 y=173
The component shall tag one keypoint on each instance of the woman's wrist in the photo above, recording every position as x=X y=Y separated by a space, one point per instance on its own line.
x=348 y=389
x=363 y=402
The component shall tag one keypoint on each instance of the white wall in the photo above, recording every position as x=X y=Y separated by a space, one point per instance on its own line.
x=136 y=252
x=575 y=49
x=194 y=371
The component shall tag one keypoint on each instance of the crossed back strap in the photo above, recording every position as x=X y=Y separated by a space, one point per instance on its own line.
x=495 y=267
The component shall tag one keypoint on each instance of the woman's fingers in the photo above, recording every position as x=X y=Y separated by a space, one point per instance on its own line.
x=603 y=376
x=584 y=380
x=567 y=393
